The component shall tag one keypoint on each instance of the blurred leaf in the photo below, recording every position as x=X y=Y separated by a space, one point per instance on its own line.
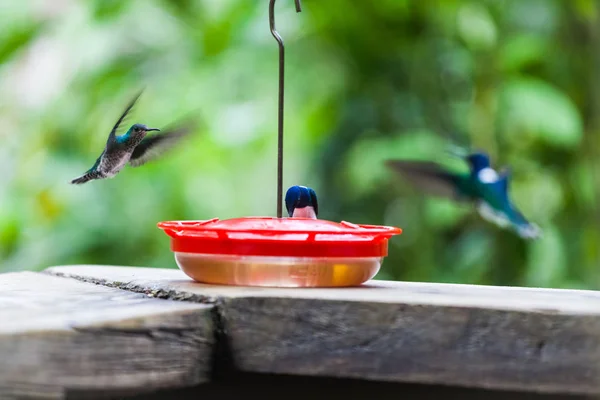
x=531 y=107
x=107 y=9
x=469 y=257
x=476 y=26
x=49 y=207
x=536 y=16
x=587 y=9
x=547 y=264
x=538 y=195
x=9 y=235
x=521 y=51
x=17 y=39
x=444 y=213
x=582 y=184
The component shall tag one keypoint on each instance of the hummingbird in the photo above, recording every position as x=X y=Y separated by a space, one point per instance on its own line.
x=301 y=202
x=482 y=185
x=133 y=147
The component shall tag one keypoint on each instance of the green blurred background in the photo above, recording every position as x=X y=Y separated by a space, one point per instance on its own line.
x=365 y=81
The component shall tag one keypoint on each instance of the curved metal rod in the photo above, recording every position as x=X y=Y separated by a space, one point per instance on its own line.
x=280 y=106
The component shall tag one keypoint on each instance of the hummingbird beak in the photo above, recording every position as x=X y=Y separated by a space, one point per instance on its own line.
x=152 y=129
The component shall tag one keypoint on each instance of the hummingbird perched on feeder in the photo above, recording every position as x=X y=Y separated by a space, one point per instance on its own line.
x=301 y=202
x=133 y=147
x=483 y=186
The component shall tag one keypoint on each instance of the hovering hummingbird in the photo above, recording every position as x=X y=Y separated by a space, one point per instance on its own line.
x=301 y=202
x=132 y=147
x=484 y=186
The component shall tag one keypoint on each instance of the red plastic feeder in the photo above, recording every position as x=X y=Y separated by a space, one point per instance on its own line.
x=279 y=252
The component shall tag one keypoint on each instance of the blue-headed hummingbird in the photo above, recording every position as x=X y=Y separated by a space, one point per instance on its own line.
x=301 y=202
x=482 y=185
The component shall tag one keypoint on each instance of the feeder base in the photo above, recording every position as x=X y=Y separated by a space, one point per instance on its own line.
x=278 y=271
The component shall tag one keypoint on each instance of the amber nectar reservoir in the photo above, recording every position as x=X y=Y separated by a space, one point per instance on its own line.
x=278 y=252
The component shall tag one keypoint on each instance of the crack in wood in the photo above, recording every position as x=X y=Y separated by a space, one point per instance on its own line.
x=154 y=293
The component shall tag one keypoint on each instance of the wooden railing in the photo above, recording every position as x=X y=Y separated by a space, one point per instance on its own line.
x=94 y=330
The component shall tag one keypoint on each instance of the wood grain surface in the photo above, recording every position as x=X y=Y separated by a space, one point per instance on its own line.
x=525 y=339
x=60 y=335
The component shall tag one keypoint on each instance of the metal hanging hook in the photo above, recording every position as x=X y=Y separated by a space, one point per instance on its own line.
x=280 y=106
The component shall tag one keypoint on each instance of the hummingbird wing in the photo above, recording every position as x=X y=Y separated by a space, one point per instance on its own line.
x=153 y=146
x=427 y=176
x=113 y=133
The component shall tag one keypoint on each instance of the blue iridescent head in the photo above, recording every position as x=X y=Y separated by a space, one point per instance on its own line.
x=478 y=161
x=301 y=201
x=140 y=129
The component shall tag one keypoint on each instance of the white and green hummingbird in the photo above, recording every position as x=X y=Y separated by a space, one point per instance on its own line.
x=133 y=147
x=482 y=185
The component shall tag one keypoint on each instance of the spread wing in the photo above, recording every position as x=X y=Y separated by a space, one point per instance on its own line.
x=113 y=133
x=152 y=147
x=426 y=176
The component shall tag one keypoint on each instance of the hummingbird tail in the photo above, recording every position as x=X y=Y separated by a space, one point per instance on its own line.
x=88 y=176
x=514 y=219
x=529 y=231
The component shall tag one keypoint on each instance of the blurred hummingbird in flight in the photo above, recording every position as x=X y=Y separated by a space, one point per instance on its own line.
x=133 y=147
x=301 y=202
x=482 y=185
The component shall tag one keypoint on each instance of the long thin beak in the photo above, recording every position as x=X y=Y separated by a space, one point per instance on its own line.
x=152 y=129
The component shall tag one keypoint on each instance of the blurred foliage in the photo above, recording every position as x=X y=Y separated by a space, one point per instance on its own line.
x=365 y=81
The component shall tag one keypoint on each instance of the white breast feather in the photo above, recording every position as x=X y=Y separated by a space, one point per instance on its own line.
x=488 y=175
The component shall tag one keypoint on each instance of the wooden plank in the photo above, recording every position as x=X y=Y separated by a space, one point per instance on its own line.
x=60 y=335
x=524 y=339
